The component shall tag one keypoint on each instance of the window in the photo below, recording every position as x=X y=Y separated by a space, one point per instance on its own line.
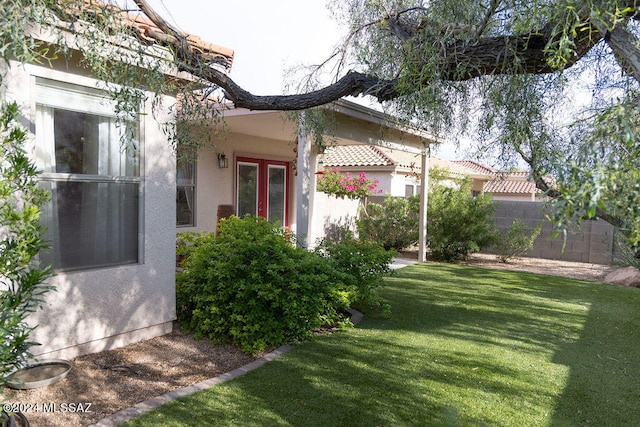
x=411 y=188
x=186 y=190
x=94 y=216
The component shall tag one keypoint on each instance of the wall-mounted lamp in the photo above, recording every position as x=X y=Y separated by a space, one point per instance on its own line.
x=223 y=162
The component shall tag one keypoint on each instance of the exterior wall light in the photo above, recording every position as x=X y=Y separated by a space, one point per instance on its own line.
x=223 y=162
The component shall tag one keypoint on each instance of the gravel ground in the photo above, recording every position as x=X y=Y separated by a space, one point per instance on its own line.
x=118 y=379
x=574 y=270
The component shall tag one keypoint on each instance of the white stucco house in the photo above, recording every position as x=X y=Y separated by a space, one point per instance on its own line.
x=111 y=218
x=503 y=185
x=397 y=169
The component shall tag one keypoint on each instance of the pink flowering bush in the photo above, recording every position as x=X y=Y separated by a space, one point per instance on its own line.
x=333 y=182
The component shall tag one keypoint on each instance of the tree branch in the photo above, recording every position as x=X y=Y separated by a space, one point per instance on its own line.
x=542 y=185
x=351 y=84
x=460 y=59
x=625 y=45
x=491 y=11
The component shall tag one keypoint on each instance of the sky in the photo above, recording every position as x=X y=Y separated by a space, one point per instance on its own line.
x=268 y=38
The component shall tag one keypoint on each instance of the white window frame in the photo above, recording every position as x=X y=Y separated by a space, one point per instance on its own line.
x=414 y=184
x=50 y=93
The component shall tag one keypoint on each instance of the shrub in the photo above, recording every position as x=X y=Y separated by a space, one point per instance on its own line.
x=251 y=286
x=516 y=241
x=393 y=224
x=188 y=241
x=458 y=224
x=22 y=279
x=624 y=254
x=334 y=183
x=364 y=265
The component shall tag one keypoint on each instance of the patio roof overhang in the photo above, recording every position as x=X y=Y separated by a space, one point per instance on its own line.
x=354 y=124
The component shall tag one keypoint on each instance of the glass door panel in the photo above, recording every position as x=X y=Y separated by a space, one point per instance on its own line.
x=277 y=194
x=247 y=189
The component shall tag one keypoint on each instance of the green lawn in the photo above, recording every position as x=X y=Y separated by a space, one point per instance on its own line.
x=464 y=346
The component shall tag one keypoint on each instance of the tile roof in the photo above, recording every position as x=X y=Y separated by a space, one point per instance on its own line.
x=355 y=155
x=451 y=166
x=511 y=182
x=477 y=166
x=510 y=186
x=146 y=28
x=211 y=51
x=370 y=155
x=523 y=174
x=404 y=159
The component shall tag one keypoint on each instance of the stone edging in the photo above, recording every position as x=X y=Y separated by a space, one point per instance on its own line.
x=127 y=414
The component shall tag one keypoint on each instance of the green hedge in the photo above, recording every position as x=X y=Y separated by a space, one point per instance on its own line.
x=253 y=287
x=457 y=223
x=392 y=224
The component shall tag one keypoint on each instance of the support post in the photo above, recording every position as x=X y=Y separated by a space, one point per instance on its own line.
x=424 y=199
x=304 y=186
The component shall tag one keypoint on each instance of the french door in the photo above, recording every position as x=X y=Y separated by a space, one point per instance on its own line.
x=262 y=189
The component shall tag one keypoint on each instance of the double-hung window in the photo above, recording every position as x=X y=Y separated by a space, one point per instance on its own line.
x=93 y=173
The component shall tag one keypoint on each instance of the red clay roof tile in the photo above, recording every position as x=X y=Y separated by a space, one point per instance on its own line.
x=510 y=186
x=145 y=27
x=477 y=166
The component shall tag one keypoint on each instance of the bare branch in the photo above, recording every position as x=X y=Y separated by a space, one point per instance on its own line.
x=158 y=20
x=178 y=38
x=491 y=11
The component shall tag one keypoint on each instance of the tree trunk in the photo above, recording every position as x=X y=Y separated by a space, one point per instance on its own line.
x=625 y=47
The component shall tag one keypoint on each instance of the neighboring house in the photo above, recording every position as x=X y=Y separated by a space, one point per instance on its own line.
x=264 y=165
x=111 y=216
x=503 y=185
x=398 y=171
x=514 y=186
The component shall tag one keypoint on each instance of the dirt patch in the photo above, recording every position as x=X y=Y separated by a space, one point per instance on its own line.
x=114 y=380
x=117 y=379
x=573 y=270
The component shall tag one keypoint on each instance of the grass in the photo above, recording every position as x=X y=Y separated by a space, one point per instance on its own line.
x=464 y=346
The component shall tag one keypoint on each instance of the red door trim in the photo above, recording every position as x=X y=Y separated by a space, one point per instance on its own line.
x=263 y=179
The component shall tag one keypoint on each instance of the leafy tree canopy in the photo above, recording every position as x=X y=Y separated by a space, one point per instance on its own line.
x=506 y=72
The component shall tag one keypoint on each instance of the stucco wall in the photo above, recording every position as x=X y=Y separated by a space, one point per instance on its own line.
x=513 y=197
x=98 y=309
x=388 y=182
x=330 y=214
x=592 y=242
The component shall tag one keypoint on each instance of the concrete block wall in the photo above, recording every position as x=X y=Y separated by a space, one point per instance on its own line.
x=591 y=243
